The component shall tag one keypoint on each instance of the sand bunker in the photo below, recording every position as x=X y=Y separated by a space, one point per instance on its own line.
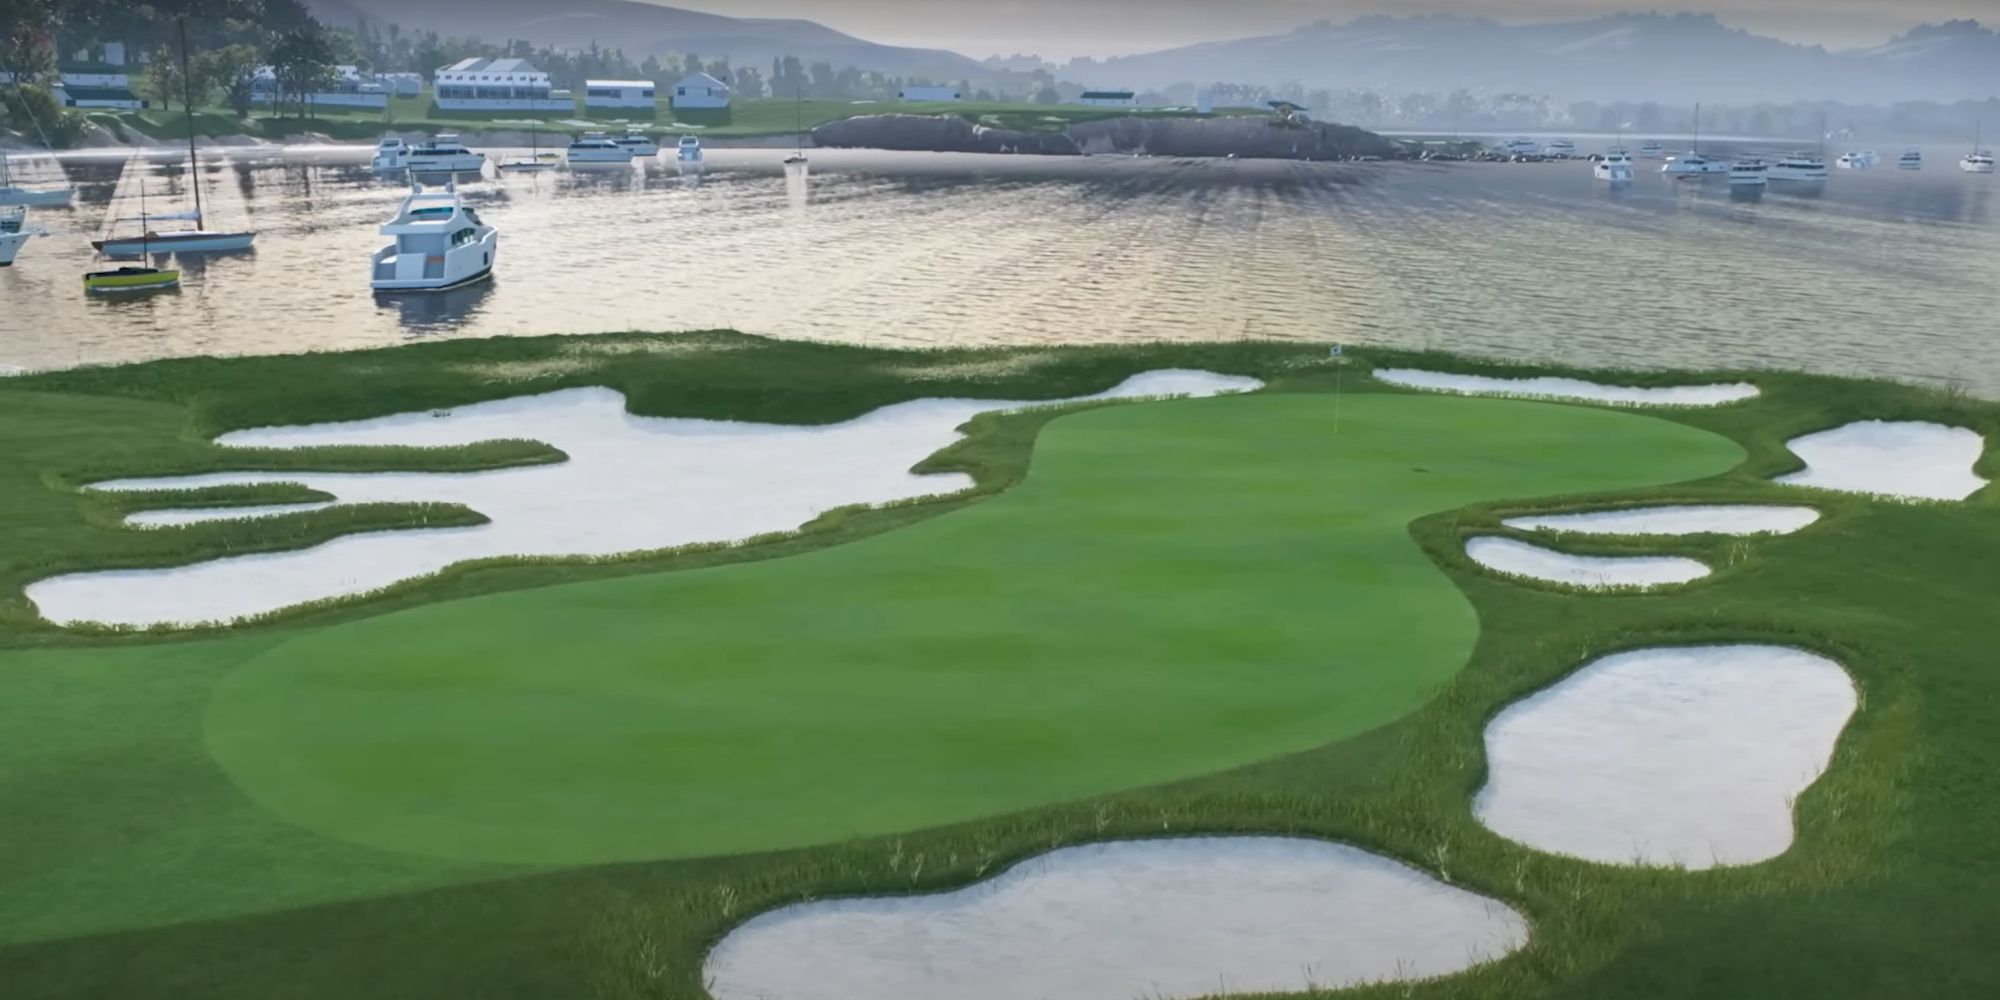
x=632 y=484
x=1157 y=919
x=1513 y=558
x=1693 y=519
x=1909 y=459
x=1685 y=756
x=1568 y=388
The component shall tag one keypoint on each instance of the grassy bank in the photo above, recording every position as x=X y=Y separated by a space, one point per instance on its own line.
x=143 y=869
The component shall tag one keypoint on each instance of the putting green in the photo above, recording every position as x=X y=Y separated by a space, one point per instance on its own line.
x=1176 y=588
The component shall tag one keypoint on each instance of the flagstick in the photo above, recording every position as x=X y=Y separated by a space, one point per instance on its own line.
x=1339 y=373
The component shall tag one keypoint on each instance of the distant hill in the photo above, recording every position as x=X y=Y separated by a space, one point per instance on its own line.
x=1663 y=57
x=642 y=29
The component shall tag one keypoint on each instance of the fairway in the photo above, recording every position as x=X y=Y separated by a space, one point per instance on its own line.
x=1177 y=588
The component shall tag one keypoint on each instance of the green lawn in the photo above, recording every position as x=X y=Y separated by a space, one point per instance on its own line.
x=413 y=797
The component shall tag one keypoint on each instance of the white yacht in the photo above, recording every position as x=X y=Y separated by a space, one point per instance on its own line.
x=444 y=155
x=1693 y=165
x=1749 y=173
x=596 y=147
x=391 y=154
x=1978 y=162
x=1801 y=168
x=1560 y=149
x=12 y=195
x=1524 y=147
x=1912 y=159
x=440 y=244
x=689 y=149
x=638 y=143
x=1616 y=167
x=1852 y=161
x=1652 y=151
x=14 y=231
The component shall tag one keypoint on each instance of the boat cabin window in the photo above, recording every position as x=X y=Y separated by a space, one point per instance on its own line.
x=463 y=236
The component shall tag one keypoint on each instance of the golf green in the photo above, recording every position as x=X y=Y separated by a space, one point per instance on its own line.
x=1175 y=589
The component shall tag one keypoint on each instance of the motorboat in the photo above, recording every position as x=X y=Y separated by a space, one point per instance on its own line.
x=444 y=154
x=14 y=231
x=1912 y=159
x=1693 y=165
x=1560 y=149
x=391 y=154
x=689 y=149
x=1799 y=168
x=1616 y=167
x=638 y=143
x=1980 y=162
x=596 y=147
x=440 y=243
x=10 y=194
x=1652 y=151
x=1749 y=173
x=1853 y=161
x=1523 y=147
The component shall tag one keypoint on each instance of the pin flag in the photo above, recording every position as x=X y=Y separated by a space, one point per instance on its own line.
x=1334 y=351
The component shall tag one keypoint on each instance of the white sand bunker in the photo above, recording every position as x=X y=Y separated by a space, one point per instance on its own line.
x=1515 y=558
x=631 y=484
x=1909 y=459
x=1156 y=919
x=1685 y=756
x=1689 y=519
x=1568 y=388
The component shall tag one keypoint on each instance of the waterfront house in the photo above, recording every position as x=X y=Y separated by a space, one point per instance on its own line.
x=699 y=90
x=1109 y=98
x=930 y=94
x=497 y=85
x=618 y=94
x=348 y=88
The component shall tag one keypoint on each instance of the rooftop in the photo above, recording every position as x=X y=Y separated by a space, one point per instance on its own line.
x=491 y=66
x=618 y=83
x=1108 y=94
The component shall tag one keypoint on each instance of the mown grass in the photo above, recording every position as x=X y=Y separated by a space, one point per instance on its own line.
x=1890 y=889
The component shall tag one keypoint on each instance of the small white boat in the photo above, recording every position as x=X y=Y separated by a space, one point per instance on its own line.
x=444 y=155
x=638 y=143
x=1616 y=168
x=42 y=197
x=1652 y=151
x=440 y=244
x=1560 y=149
x=689 y=149
x=391 y=154
x=596 y=147
x=1749 y=173
x=1523 y=147
x=1693 y=165
x=150 y=240
x=1980 y=162
x=1912 y=159
x=1853 y=161
x=14 y=231
x=1799 y=168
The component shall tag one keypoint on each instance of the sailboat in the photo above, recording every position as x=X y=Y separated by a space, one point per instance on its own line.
x=132 y=279
x=1694 y=164
x=200 y=239
x=534 y=162
x=1978 y=161
x=11 y=195
x=799 y=155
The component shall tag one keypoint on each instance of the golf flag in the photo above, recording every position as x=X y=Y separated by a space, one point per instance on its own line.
x=1334 y=351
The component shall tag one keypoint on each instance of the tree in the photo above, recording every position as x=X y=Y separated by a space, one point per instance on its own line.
x=231 y=67
x=1047 y=95
x=27 y=38
x=164 y=83
x=303 y=63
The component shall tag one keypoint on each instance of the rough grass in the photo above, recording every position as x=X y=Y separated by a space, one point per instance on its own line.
x=1891 y=889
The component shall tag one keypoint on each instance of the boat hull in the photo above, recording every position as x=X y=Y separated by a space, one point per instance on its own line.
x=175 y=243
x=10 y=244
x=447 y=164
x=25 y=196
x=1976 y=168
x=114 y=281
x=601 y=157
x=402 y=288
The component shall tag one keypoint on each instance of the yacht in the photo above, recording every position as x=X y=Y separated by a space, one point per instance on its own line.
x=150 y=240
x=444 y=155
x=440 y=244
x=689 y=150
x=638 y=143
x=1560 y=149
x=1912 y=159
x=14 y=231
x=595 y=147
x=1524 y=147
x=1979 y=162
x=1801 y=168
x=1749 y=173
x=1693 y=165
x=1853 y=161
x=391 y=154
x=1652 y=151
x=1616 y=167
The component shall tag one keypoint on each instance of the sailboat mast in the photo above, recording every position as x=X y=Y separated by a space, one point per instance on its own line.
x=1697 y=126
x=187 y=107
x=145 y=230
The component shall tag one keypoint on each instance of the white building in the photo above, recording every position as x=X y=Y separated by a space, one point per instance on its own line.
x=350 y=88
x=618 y=94
x=699 y=90
x=402 y=84
x=497 y=85
x=1109 y=98
x=930 y=94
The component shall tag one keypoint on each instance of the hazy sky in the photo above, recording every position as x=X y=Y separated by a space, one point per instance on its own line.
x=1060 y=29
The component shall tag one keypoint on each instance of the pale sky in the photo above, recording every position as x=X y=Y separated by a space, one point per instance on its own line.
x=1061 y=29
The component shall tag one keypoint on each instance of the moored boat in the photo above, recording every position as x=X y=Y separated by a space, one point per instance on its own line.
x=638 y=143
x=1749 y=173
x=444 y=154
x=596 y=147
x=1693 y=165
x=1799 y=168
x=1616 y=168
x=689 y=149
x=1912 y=159
x=440 y=243
x=14 y=231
